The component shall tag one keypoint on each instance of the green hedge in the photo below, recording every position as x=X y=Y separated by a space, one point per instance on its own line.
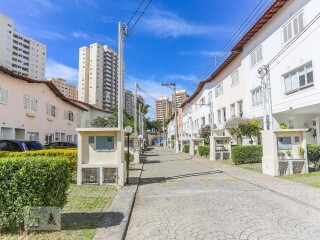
x=69 y=154
x=246 y=154
x=186 y=148
x=33 y=181
x=204 y=151
x=313 y=151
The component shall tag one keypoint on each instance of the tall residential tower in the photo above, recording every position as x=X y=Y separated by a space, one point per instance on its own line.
x=163 y=108
x=19 y=53
x=98 y=76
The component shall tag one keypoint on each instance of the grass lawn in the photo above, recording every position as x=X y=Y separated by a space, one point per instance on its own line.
x=311 y=179
x=249 y=166
x=81 y=215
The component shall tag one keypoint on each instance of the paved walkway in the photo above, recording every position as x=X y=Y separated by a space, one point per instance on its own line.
x=181 y=197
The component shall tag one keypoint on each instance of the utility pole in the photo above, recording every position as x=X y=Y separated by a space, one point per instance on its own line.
x=135 y=110
x=122 y=31
x=173 y=87
x=264 y=73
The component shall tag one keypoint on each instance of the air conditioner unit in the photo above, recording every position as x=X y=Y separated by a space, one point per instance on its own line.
x=50 y=119
x=31 y=114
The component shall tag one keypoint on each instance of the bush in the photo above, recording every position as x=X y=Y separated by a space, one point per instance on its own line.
x=246 y=154
x=33 y=181
x=204 y=151
x=69 y=154
x=186 y=148
x=313 y=151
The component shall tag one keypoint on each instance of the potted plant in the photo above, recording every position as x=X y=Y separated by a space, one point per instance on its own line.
x=288 y=152
x=281 y=155
x=301 y=151
x=283 y=126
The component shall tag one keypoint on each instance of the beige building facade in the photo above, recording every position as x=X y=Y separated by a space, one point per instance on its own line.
x=67 y=89
x=163 y=108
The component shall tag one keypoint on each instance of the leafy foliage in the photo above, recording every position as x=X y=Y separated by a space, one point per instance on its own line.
x=69 y=154
x=246 y=154
x=204 y=132
x=251 y=129
x=204 y=151
x=186 y=148
x=33 y=181
x=313 y=151
x=112 y=121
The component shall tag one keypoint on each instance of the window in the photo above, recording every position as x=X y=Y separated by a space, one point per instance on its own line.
x=219 y=116
x=284 y=143
x=256 y=56
x=234 y=78
x=210 y=97
x=240 y=108
x=68 y=115
x=203 y=121
x=233 y=110
x=79 y=119
x=256 y=96
x=224 y=114
x=130 y=143
x=202 y=101
x=3 y=95
x=219 y=89
x=104 y=143
x=30 y=103
x=51 y=110
x=299 y=79
x=292 y=28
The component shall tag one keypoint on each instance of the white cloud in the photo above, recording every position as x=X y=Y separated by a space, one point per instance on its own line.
x=201 y=53
x=51 y=35
x=168 y=24
x=57 y=69
x=175 y=77
x=93 y=37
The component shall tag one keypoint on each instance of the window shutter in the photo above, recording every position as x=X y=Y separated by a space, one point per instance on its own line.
x=25 y=102
x=295 y=26
x=300 y=22
x=65 y=114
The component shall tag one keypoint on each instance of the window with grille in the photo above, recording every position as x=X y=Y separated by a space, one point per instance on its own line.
x=30 y=103
x=219 y=89
x=256 y=56
x=51 y=110
x=69 y=115
x=299 y=79
x=256 y=96
x=293 y=28
x=3 y=95
x=234 y=78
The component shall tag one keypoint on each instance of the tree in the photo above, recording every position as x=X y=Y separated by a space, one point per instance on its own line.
x=112 y=121
x=251 y=129
x=204 y=132
x=233 y=125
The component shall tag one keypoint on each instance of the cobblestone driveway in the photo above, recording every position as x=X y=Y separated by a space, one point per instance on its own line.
x=180 y=198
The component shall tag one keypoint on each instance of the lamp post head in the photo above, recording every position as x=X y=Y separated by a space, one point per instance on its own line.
x=140 y=136
x=128 y=130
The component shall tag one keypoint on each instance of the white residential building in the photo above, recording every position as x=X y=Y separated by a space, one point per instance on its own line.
x=98 y=76
x=19 y=53
x=36 y=110
x=285 y=38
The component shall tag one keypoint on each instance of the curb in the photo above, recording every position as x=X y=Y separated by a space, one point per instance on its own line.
x=114 y=224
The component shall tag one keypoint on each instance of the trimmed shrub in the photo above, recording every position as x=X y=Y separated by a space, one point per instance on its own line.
x=204 y=151
x=33 y=182
x=186 y=148
x=313 y=151
x=69 y=154
x=246 y=154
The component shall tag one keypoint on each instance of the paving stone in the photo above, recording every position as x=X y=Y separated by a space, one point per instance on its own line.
x=232 y=204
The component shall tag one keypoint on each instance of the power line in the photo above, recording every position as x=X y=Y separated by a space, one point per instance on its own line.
x=144 y=10
x=134 y=14
x=234 y=36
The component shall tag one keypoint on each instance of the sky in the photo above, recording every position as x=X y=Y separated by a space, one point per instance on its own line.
x=175 y=41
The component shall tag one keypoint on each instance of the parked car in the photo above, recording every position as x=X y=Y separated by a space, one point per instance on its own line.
x=61 y=144
x=19 y=145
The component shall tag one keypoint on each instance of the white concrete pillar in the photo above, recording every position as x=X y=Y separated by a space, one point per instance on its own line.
x=212 y=149
x=191 y=148
x=318 y=129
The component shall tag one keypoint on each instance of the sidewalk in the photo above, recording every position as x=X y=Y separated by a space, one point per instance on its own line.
x=298 y=192
x=115 y=222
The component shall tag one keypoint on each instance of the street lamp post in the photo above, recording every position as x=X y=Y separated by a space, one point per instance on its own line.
x=128 y=131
